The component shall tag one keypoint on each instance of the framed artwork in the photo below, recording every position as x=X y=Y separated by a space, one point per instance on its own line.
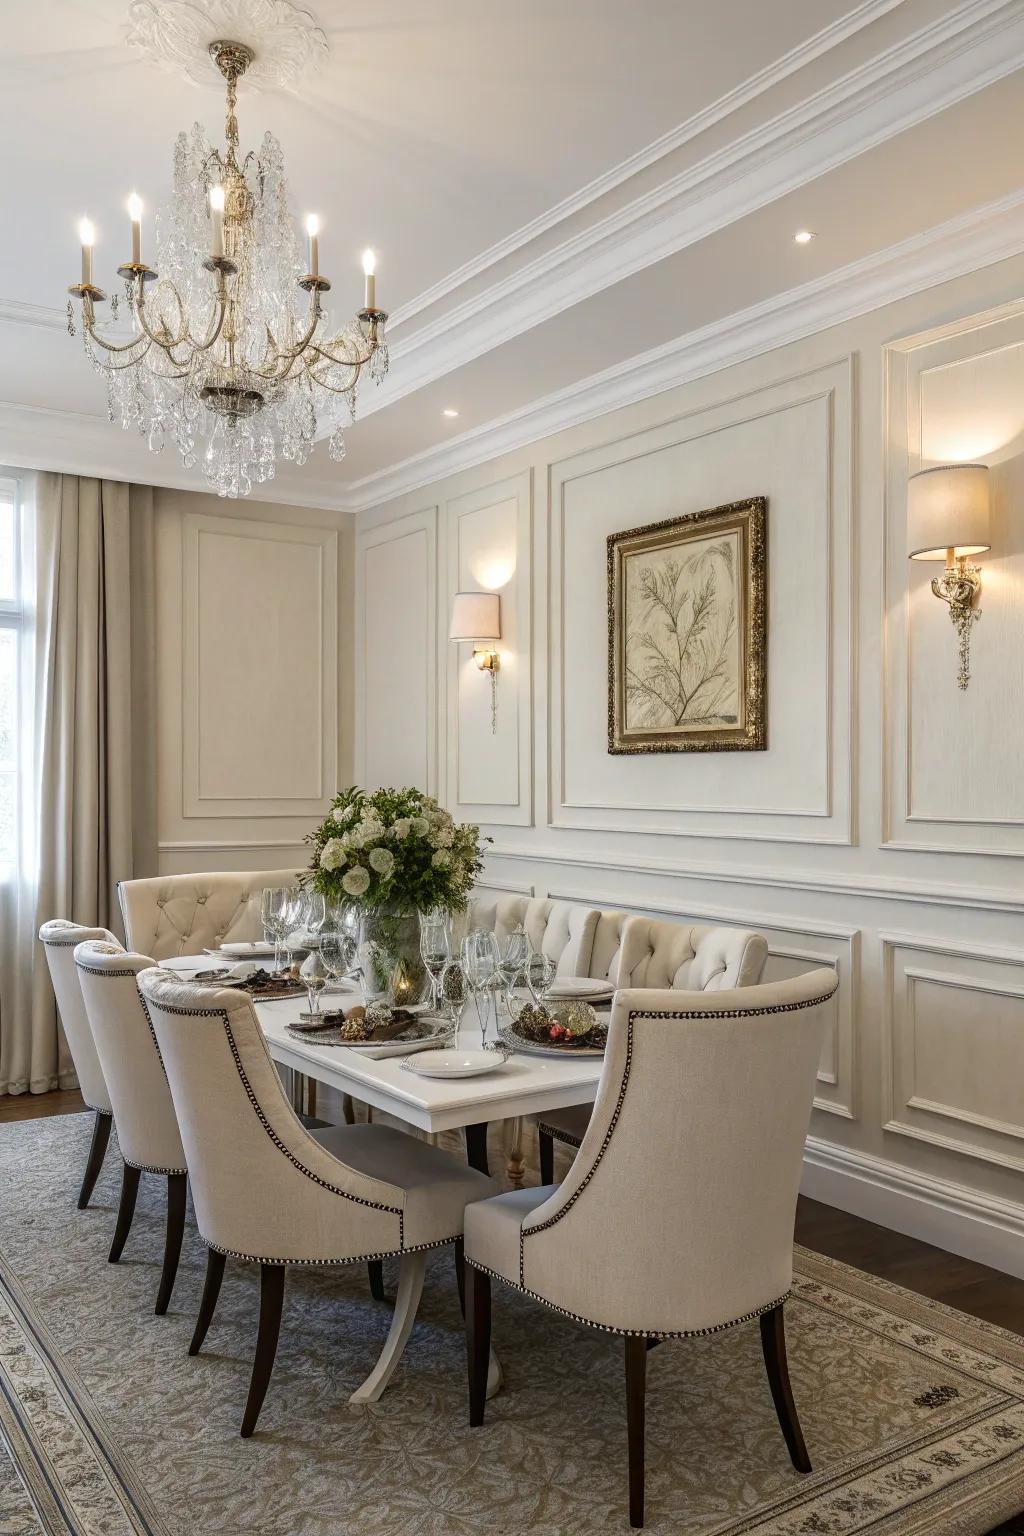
x=687 y=633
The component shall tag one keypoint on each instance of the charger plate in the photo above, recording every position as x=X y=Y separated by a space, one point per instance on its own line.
x=517 y=1042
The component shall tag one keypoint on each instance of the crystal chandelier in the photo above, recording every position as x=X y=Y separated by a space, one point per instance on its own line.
x=222 y=345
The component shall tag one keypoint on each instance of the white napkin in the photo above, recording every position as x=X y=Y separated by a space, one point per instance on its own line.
x=567 y=987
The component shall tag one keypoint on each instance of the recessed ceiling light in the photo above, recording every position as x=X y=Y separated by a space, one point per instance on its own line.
x=449 y=412
x=804 y=236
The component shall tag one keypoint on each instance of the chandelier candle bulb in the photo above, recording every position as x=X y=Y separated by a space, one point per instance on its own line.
x=369 y=268
x=135 y=214
x=313 y=231
x=87 y=235
x=217 y=215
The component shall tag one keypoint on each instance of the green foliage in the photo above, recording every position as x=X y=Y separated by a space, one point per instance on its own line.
x=396 y=849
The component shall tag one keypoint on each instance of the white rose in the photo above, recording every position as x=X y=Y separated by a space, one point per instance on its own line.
x=402 y=827
x=420 y=825
x=357 y=881
x=343 y=815
x=332 y=855
x=382 y=861
x=442 y=858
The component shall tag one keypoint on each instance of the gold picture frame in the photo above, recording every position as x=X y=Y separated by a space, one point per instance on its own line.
x=687 y=633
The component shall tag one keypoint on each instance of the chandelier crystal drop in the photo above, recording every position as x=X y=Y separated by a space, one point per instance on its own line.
x=229 y=351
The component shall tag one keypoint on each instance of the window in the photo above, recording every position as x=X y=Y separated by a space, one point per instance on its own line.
x=12 y=614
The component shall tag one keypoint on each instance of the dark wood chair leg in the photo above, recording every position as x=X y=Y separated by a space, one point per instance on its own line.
x=97 y=1152
x=636 y=1391
x=177 y=1184
x=547 y=1157
x=476 y=1147
x=773 y=1343
x=375 y=1270
x=458 y=1253
x=125 y=1211
x=348 y=1109
x=478 y=1340
x=271 y=1304
x=211 y=1290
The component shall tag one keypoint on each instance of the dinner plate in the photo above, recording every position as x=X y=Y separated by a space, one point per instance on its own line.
x=374 y=1051
x=570 y=988
x=455 y=1063
x=257 y=950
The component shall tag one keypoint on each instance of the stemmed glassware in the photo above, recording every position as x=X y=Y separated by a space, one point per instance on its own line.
x=274 y=906
x=514 y=962
x=435 y=948
x=313 y=974
x=541 y=972
x=480 y=961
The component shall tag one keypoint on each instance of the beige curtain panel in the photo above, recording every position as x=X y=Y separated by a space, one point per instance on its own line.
x=93 y=797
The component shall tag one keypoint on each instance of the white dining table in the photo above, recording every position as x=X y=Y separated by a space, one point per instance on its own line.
x=523 y=1085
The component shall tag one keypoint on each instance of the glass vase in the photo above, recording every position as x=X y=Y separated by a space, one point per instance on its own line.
x=389 y=954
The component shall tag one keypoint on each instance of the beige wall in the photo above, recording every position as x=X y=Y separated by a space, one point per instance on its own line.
x=882 y=830
x=254 y=678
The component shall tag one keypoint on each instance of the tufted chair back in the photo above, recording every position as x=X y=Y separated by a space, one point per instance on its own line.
x=689 y=957
x=262 y=1186
x=59 y=939
x=147 y=1127
x=703 y=1104
x=607 y=951
x=500 y=911
x=185 y=914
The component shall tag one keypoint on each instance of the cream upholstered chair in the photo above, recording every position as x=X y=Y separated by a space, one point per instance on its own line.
x=658 y=954
x=687 y=1177
x=185 y=914
x=268 y=1190
x=563 y=930
x=59 y=939
x=147 y=1127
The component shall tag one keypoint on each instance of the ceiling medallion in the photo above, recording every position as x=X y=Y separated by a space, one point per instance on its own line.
x=230 y=349
x=286 y=43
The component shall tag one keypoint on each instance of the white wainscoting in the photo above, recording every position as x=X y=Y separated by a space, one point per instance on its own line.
x=956 y=393
x=953 y=1028
x=488 y=771
x=791 y=442
x=259 y=605
x=395 y=653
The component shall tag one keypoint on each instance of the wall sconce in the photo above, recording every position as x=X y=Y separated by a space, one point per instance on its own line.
x=476 y=617
x=948 y=519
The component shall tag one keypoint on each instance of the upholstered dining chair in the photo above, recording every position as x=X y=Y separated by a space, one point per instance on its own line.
x=184 y=914
x=147 y=1127
x=676 y=1217
x=652 y=953
x=267 y=1190
x=59 y=938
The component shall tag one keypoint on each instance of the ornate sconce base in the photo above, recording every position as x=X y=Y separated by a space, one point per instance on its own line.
x=959 y=586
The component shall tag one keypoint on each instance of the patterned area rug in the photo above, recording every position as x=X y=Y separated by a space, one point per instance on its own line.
x=913 y=1413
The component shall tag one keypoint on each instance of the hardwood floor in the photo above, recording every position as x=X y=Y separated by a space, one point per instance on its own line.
x=981 y=1292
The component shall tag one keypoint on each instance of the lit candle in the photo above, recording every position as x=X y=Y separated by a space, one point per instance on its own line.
x=369 y=267
x=135 y=214
x=217 y=215
x=87 y=235
x=312 y=230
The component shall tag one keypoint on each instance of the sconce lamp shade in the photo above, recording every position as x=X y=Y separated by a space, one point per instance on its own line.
x=948 y=508
x=476 y=616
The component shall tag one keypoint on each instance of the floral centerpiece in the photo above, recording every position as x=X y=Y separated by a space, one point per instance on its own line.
x=394 y=854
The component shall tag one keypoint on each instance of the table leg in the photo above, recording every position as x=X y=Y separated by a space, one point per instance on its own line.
x=515 y=1170
x=296 y=1083
x=476 y=1147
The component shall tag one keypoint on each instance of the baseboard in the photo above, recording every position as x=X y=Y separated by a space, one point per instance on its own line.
x=977 y=1226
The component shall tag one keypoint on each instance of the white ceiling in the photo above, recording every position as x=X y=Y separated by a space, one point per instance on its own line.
x=552 y=185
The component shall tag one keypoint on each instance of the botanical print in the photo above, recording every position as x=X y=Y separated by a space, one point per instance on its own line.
x=682 y=651
x=687 y=633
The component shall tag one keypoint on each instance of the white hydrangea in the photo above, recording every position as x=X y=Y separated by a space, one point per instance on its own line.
x=402 y=827
x=332 y=855
x=441 y=859
x=357 y=881
x=443 y=836
x=382 y=861
x=420 y=826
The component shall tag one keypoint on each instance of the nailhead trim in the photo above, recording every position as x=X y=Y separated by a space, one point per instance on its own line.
x=391 y=1210
x=632 y=1333
x=361 y=1258
x=96 y=971
x=563 y=1136
x=149 y=1167
x=657 y=1013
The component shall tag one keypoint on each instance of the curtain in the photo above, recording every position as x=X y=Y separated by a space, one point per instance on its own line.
x=91 y=803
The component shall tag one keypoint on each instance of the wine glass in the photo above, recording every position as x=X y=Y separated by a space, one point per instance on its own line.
x=514 y=960
x=541 y=973
x=315 y=911
x=480 y=961
x=435 y=947
x=313 y=975
x=274 y=904
x=453 y=995
x=295 y=921
x=337 y=950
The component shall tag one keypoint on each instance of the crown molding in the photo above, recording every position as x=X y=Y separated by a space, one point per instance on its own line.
x=668 y=144
x=973 y=46
x=971 y=241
